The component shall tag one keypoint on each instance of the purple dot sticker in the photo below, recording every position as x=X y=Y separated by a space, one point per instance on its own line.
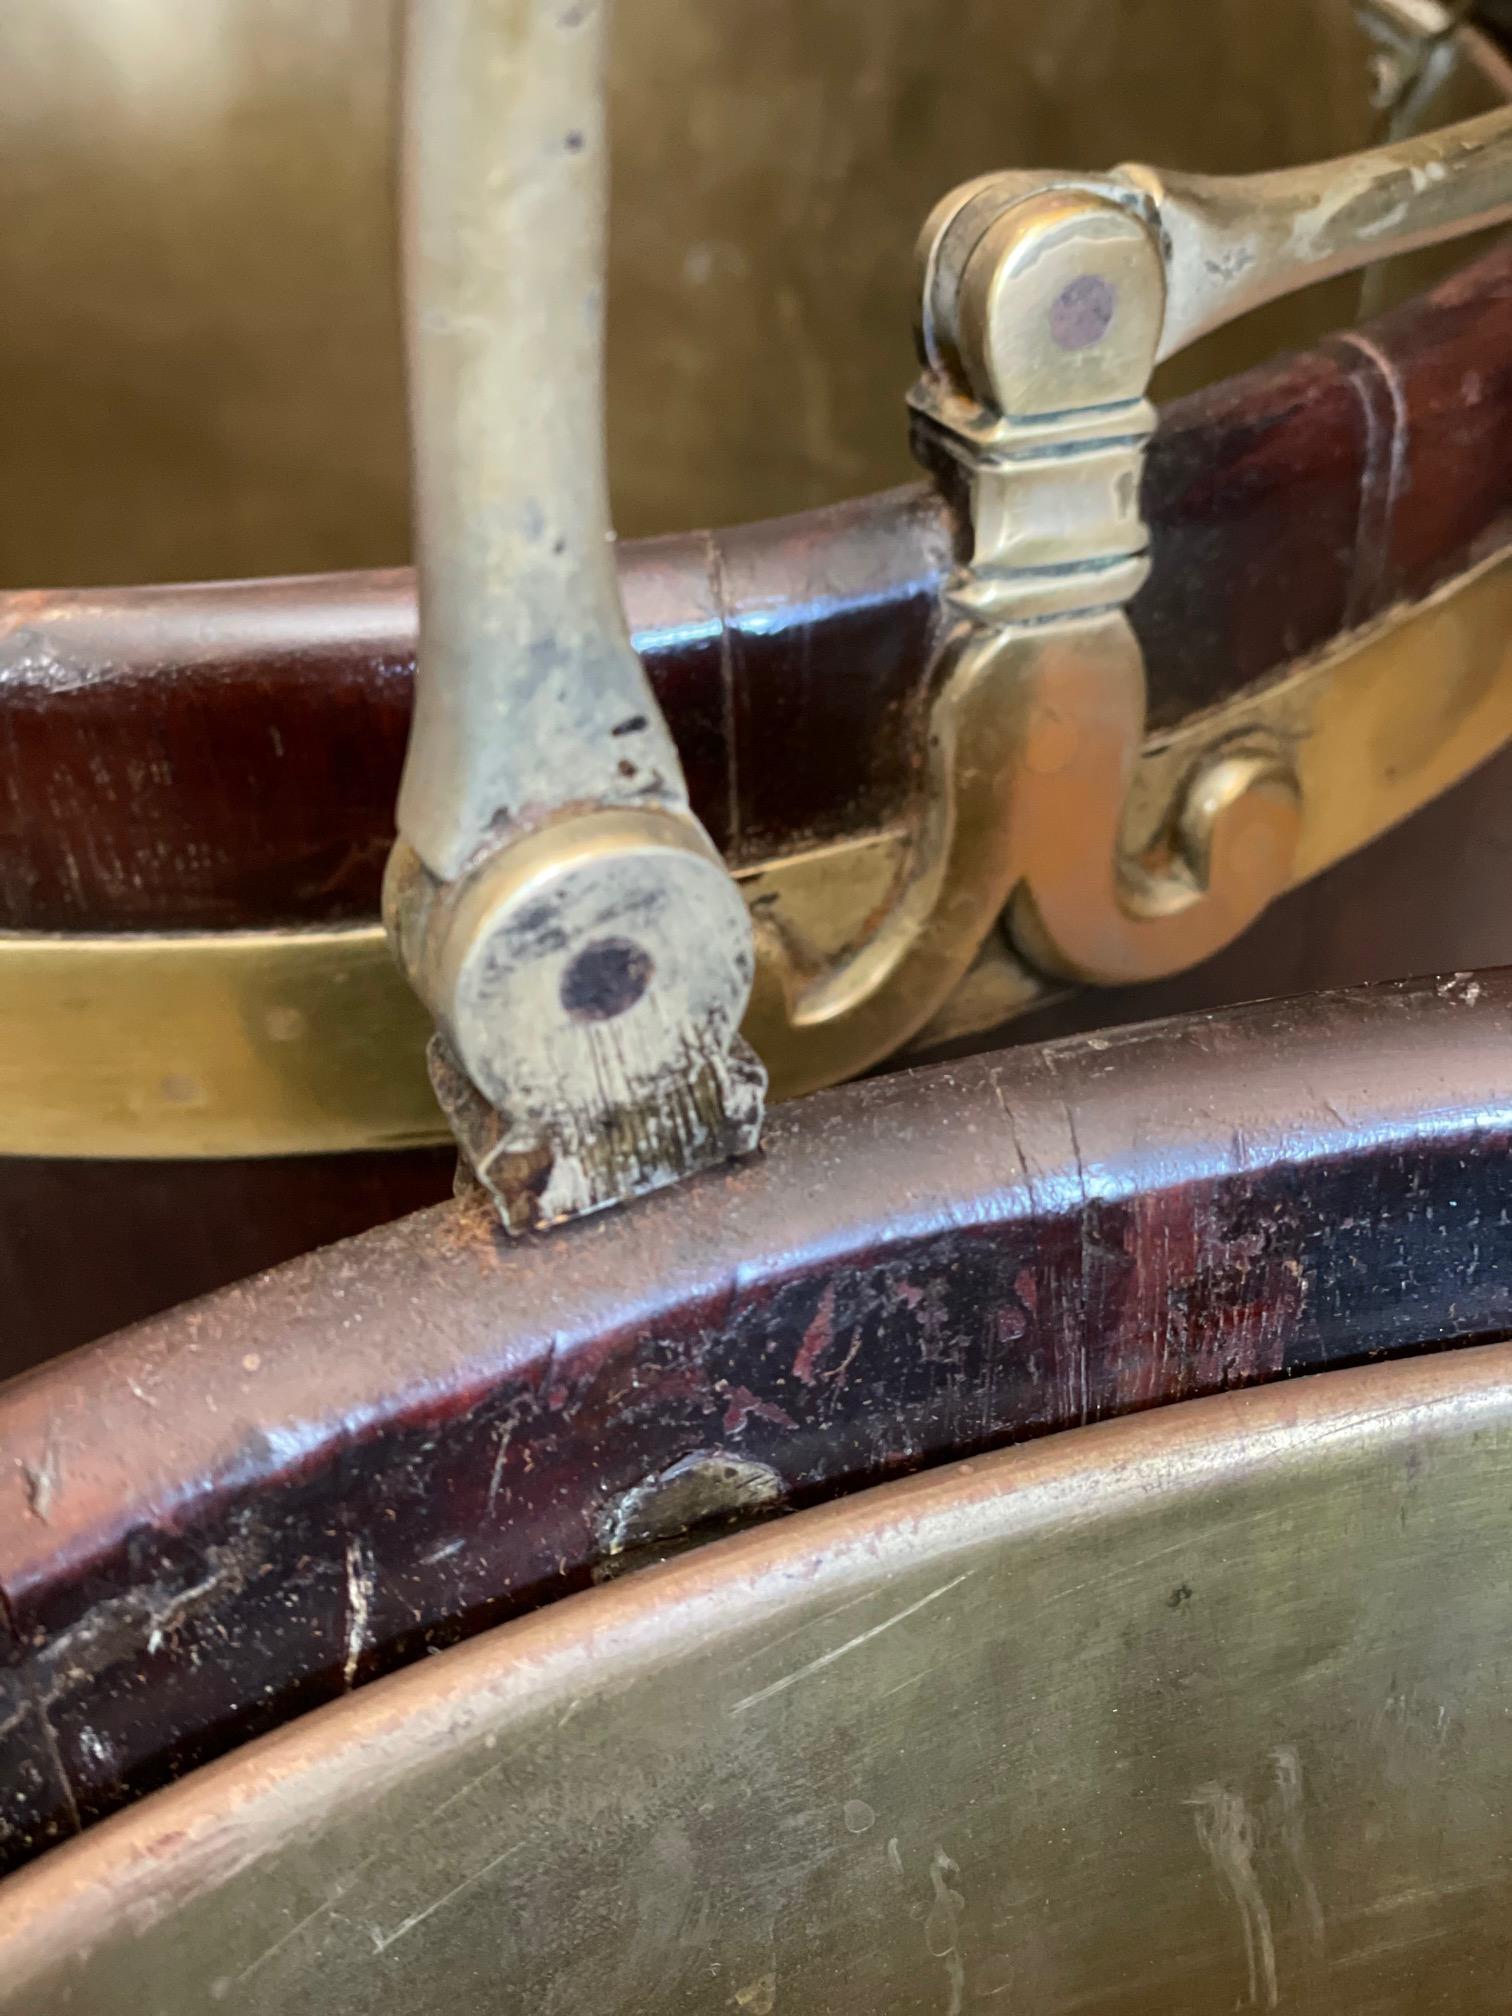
x=1082 y=311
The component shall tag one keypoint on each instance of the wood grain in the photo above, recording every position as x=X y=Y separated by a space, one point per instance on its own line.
x=226 y=1516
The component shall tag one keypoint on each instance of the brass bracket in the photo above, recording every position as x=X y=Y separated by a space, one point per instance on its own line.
x=1036 y=387
x=1046 y=303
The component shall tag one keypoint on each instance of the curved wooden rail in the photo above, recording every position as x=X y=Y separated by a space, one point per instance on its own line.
x=228 y=753
x=1191 y=1712
x=232 y=1513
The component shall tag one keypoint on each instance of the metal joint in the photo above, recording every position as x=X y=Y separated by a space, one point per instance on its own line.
x=552 y=898
x=1045 y=307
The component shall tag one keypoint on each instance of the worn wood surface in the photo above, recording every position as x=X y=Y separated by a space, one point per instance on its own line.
x=1425 y=899
x=235 y=1512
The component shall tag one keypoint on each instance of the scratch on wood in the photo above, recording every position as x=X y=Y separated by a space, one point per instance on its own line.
x=1383 y=474
x=1084 y=1328
x=1391 y=379
x=17 y=1716
x=42 y=1480
x=714 y=560
x=817 y=1338
x=506 y=1436
x=164 y=1619
x=1014 y=1140
x=851 y=1644
x=359 y=1579
x=50 y=1739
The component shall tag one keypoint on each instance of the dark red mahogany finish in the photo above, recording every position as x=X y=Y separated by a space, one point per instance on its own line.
x=228 y=754
x=232 y=1513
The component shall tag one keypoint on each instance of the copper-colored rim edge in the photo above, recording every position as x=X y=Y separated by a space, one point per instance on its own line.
x=235 y=1811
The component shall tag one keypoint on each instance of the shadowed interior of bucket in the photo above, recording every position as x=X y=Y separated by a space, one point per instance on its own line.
x=200 y=361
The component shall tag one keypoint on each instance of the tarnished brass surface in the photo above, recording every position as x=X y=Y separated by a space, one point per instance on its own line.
x=1201 y=1710
x=551 y=897
x=818 y=1019
x=301 y=1042
x=1045 y=302
x=1042 y=307
x=200 y=358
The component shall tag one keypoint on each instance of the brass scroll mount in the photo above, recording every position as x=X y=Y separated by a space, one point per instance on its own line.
x=1045 y=309
x=1058 y=317
x=1046 y=302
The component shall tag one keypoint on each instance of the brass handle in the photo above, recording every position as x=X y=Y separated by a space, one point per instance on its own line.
x=1045 y=303
x=552 y=898
x=526 y=669
x=1232 y=243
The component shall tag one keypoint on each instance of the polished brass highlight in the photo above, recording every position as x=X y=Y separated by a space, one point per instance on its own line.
x=222 y=1044
x=1199 y=1710
x=1233 y=244
x=551 y=897
x=815 y=1022
x=283 y=1043
x=1037 y=386
x=1372 y=730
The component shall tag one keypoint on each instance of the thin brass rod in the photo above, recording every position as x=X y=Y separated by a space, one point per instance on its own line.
x=529 y=695
x=1235 y=242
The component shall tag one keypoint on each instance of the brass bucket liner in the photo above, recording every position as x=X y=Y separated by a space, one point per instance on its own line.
x=1197 y=1711
x=200 y=358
